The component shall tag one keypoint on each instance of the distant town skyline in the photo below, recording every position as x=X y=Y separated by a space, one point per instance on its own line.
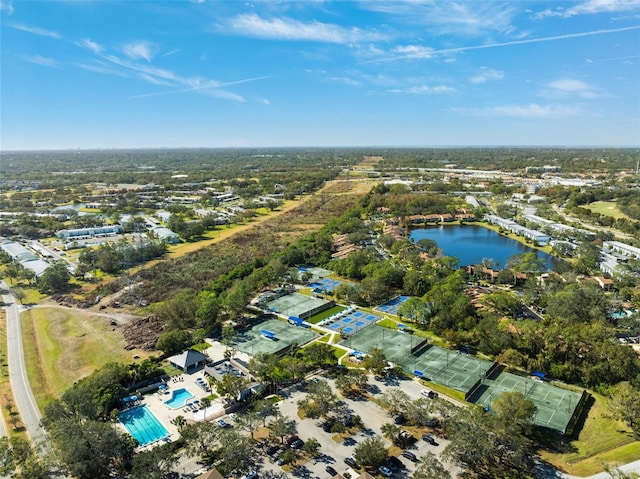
x=393 y=73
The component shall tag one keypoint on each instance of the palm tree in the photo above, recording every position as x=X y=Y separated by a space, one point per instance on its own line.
x=390 y=431
x=180 y=422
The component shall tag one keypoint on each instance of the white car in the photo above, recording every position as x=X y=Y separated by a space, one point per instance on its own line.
x=233 y=416
x=222 y=423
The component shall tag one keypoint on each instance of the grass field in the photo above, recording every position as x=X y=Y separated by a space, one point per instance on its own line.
x=607 y=208
x=601 y=440
x=62 y=346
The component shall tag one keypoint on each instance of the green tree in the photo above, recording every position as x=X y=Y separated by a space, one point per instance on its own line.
x=19 y=294
x=391 y=431
x=282 y=426
x=90 y=449
x=236 y=453
x=174 y=341
x=19 y=460
x=486 y=447
x=624 y=405
x=395 y=400
x=230 y=386
x=249 y=422
x=513 y=407
x=311 y=447
x=200 y=438
x=319 y=401
x=54 y=279
x=319 y=354
x=422 y=412
x=371 y=452
x=155 y=463
x=429 y=467
x=352 y=382
x=375 y=361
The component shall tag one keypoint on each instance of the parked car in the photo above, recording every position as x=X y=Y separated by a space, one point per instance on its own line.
x=272 y=450
x=404 y=439
x=409 y=455
x=332 y=472
x=292 y=439
x=327 y=425
x=385 y=471
x=401 y=419
x=250 y=475
x=222 y=423
x=395 y=462
x=297 y=444
x=429 y=438
x=351 y=462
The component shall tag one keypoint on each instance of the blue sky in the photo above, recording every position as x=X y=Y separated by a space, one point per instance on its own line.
x=110 y=74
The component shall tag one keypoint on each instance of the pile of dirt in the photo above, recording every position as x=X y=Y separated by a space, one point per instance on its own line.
x=70 y=301
x=142 y=333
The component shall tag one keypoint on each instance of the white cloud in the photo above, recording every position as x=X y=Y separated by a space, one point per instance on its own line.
x=137 y=50
x=35 y=30
x=90 y=45
x=7 y=7
x=289 y=29
x=414 y=51
x=439 y=16
x=345 y=80
x=487 y=74
x=570 y=87
x=171 y=52
x=40 y=60
x=424 y=89
x=591 y=7
x=401 y=56
x=532 y=110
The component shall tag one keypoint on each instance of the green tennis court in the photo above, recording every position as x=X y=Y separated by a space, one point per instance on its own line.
x=298 y=305
x=254 y=342
x=555 y=405
x=449 y=368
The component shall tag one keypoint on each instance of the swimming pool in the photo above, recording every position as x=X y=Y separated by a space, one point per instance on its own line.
x=179 y=398
x=142 y=425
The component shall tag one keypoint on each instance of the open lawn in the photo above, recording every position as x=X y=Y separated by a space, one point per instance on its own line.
x=601 y=440
x=607 y=208
x=63 y=345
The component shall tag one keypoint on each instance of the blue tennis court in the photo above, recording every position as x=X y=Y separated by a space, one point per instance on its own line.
x=325 y=285
x=391 y=307
x=351 y=321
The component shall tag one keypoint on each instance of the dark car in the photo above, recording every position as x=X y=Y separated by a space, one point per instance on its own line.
x=409 y=455
x=297 y=444
x=292 y=439
x=395 y=462
x=351 y=462
x=385 y=471
x=332 y=472
x=327 y=425
x=401 y=419
x=429 y=438
x=272 y=450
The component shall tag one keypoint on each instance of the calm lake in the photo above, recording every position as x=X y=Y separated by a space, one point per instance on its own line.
x=470 y=244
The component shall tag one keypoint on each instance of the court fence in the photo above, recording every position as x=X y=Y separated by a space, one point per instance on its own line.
x=421 y=347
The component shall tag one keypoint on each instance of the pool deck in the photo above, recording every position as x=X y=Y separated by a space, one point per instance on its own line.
x=156 y=404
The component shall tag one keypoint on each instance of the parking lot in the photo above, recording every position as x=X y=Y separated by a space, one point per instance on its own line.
x=333 y=453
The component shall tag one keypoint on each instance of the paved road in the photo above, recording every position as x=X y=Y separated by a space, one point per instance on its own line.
x=25 y=402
